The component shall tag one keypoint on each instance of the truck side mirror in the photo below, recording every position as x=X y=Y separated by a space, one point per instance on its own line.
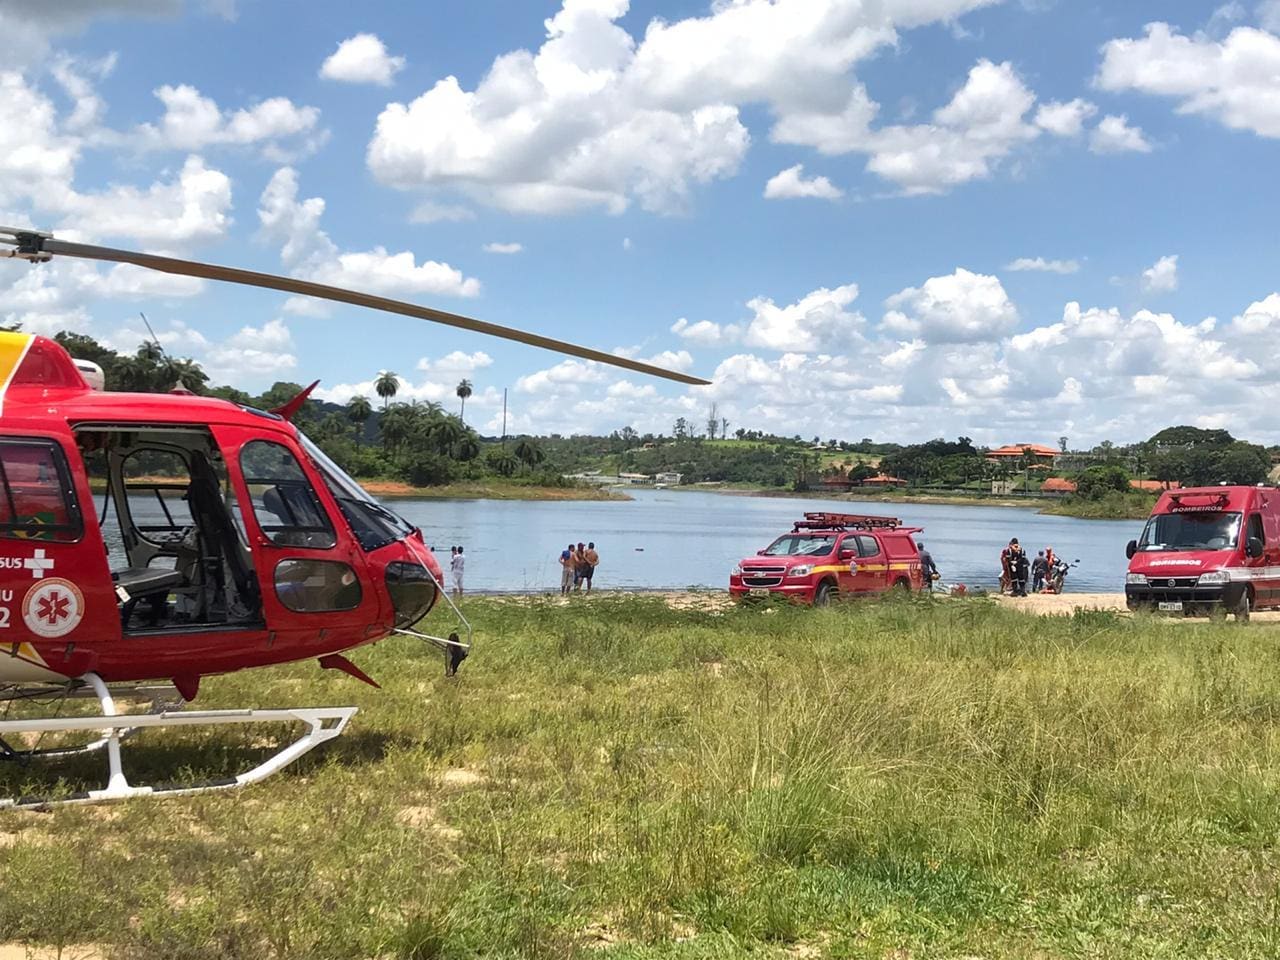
x=1130 y=549
x=1253 y=547
x=847 y=554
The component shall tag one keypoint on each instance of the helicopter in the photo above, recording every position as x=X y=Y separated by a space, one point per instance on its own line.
x=223 y=540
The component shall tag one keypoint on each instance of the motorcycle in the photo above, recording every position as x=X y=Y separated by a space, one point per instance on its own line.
x=1057 y=574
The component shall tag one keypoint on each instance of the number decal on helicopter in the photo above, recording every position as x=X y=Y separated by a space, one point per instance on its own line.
x=53 y=608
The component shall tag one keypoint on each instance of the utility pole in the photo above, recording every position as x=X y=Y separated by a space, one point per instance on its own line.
x=504 y=418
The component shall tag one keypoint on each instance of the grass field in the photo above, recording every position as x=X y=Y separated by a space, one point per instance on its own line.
x=615 y=778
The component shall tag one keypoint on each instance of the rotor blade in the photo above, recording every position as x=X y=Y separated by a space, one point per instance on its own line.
x=209 y=271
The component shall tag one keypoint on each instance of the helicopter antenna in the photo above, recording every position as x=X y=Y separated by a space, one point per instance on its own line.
x=154 y=338
x=39 y=247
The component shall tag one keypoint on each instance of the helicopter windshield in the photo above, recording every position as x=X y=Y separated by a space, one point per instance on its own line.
x=372 y=523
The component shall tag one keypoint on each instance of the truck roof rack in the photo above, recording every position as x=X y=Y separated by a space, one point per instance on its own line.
x=845 y=521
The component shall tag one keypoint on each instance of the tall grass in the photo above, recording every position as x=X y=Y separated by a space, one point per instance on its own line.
x=613 y=777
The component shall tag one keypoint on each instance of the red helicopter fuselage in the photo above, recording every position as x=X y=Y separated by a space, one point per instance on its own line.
x=147 y=536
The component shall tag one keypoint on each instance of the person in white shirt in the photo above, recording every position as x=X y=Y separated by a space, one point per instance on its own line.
x=456 y=564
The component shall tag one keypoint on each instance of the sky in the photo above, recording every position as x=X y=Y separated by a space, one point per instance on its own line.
x=1011 y=220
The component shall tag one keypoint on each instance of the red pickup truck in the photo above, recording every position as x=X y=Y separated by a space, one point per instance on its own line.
x=833 y=554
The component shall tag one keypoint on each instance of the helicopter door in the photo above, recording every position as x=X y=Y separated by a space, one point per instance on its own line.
x=312 y=573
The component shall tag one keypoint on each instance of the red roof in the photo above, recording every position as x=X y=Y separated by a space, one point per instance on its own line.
x=883 y=481
x=1058 y=485
x=1017 y=450
x=1154 y=486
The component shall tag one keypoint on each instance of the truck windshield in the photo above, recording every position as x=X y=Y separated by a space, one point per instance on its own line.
x=800 y=545
x=1191 y=531
x=372 y=523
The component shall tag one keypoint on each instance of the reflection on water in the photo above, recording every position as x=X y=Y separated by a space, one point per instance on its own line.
x=663 y=539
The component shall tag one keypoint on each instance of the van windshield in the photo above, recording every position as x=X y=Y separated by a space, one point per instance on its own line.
x=800 y=545
x=1191 y=531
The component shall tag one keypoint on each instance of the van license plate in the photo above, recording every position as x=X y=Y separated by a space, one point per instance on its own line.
x=1173 y=606
x=764 y=592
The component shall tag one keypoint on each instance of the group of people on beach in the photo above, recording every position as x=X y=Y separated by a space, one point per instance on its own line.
x=577 y=566
x=1015 y=566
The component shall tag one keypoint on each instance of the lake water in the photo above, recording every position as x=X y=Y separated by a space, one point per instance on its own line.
x=666 y=539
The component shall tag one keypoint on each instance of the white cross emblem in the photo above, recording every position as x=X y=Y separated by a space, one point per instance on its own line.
x=38 y=564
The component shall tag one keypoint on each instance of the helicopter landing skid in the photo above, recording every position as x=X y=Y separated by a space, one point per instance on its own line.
x=323 y=724
x=160 y=699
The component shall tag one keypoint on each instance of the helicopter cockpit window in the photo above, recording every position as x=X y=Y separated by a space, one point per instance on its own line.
x=373 y=524
x=156 y=484
x=317 y=586
x=38 y=501
x=284 y=502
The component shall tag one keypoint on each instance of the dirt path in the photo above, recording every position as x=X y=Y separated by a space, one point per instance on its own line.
x=1048 y=604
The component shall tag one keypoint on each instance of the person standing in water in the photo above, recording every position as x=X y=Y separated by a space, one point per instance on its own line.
x=592 y=559
x=566 y=569
x=456 y=566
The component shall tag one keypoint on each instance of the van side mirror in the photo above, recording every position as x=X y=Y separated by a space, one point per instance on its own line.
x=1130 y=549
x=1253 y=547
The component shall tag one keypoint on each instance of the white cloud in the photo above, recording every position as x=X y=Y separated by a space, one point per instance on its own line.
x=959 y=308
x=818 y=321
x=705 y=333
x=597 y=118
x=193 y=207
x=362 y=59
x=193 y=121
x=1262 y=316
x=1114 y=135
x=1120 y=376
x=1065 y=119
x=251 y=353
x=565 y=378
x=626 y=243
x=456 y=362
x=982 y=124
x=503 y=247
x=308 y=252
x=1162 y=277
x=1040 y=264
x=1232 y=81
x=790 y=183
x=429 y=212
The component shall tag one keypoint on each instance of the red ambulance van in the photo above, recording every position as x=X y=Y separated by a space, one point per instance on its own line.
x=1207 y=549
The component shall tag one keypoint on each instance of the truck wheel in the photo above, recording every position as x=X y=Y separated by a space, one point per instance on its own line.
x=902 y=586
x=1243 y=606
x=822 y=596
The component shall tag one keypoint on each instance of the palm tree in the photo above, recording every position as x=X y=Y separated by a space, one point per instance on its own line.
x=468 y=448
x=387 y=385
x=446 y=433
x=359 y=410
x=528 y=453
x=463 y=391
x=503 y=462
x=185 y=373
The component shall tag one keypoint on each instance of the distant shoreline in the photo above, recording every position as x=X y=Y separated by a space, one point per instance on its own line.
x=1042 y=505
x=485 y=490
